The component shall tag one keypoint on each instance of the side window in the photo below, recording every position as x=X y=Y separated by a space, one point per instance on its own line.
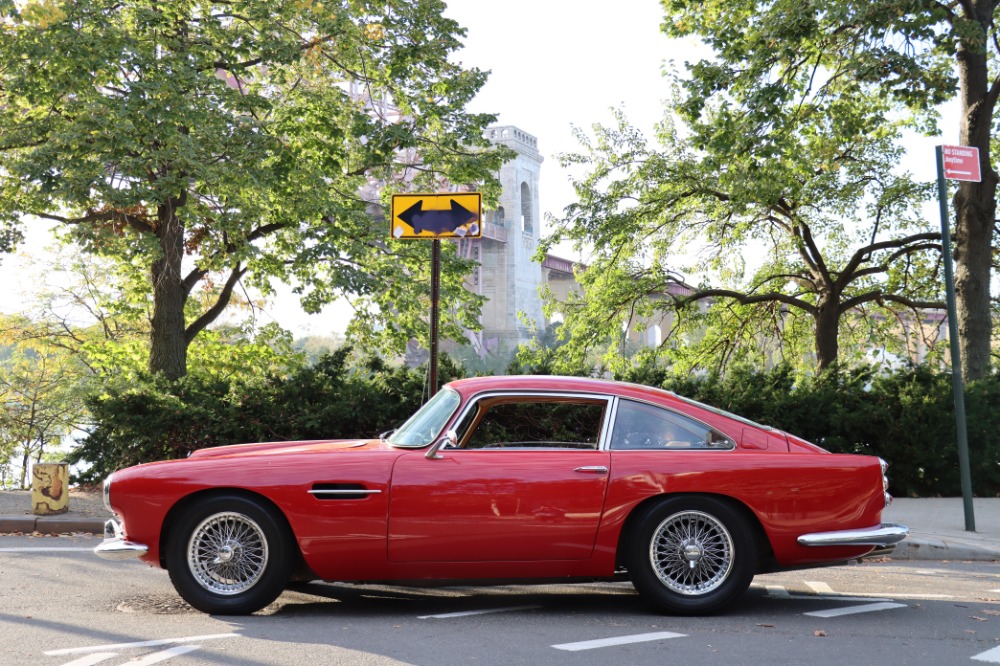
x=642 y=426
x=533 y=422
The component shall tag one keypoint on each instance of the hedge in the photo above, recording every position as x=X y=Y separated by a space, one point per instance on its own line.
x=905 y=416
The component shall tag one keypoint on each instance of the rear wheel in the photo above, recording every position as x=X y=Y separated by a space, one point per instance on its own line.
x=692 y=555
x=230 y=555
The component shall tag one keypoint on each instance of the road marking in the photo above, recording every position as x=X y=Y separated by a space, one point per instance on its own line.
x=819 y=588
x=163 y=655
x=139 y=644
x=990 y=656
x=46 y=549
x=444 y=616
x=779 y=592
x=619 y=640
x=92 y=659
x=851 y=610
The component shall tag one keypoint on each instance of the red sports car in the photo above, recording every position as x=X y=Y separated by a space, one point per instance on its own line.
x=501 y=479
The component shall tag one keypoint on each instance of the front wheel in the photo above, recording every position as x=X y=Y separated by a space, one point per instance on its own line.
x=692 y=555
x=230 y=555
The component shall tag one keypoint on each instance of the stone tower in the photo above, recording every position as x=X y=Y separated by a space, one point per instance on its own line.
x=508 y=276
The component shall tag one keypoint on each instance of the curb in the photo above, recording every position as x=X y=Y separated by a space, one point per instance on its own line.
x=936 y=549
x=51 y=524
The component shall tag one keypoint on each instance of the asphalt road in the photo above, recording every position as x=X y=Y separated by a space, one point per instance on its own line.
x=62 y=606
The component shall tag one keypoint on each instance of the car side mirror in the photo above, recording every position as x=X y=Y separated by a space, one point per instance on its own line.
x=449 y=441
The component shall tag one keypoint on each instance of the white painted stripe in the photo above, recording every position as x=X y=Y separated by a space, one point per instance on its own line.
x=157 y=657
x=819 y=588
x=778 y=592
x=485 y=611
x=619 y=640
x=994 y=590
x=851 y=610
x=46 y=549
x=826 y=597
x=140 y=644
x=92 y=659
x=990 y=656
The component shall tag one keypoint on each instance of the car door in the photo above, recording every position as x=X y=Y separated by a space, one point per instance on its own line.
x=526 y=482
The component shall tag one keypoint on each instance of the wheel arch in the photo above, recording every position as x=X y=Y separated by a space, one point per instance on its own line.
x=185 y=502
x=764 y=549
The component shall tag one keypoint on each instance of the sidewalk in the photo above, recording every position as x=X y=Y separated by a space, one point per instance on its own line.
x=937 y=525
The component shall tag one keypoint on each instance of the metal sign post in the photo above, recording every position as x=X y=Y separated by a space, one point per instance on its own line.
x=435 y=298
x=957 y=163
x=433 y=217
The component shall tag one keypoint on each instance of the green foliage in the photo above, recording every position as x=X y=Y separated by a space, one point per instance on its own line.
x=152 y=418
x=785 y=76
x=213 y=144
x=806 y=239
x=40 y=394
x=905 y=416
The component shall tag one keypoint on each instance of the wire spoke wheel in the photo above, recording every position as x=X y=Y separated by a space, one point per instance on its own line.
x=691 y=552
x=227 y=553
x=692 y=555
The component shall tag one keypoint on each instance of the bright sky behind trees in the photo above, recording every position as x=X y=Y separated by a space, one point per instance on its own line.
x=555 y=64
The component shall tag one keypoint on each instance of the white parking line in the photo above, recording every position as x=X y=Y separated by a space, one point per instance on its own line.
x=139 y=644
x=851 y=610
x=780 y=592
x=818 y=587
x=990 y=656
x=163 y=655
x=485 y=611
x=46 y=549
x=92 y=659
x=618 y=640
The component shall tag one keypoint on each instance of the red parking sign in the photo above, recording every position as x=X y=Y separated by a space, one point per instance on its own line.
x=961 y=163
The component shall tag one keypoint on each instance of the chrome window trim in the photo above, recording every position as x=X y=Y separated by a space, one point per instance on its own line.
x=734 y=447
x=603 y=437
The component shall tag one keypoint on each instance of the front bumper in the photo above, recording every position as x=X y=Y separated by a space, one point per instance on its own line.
x=115 y=547
x=882 y=535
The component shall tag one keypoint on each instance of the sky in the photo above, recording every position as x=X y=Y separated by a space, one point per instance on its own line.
x=555 y=65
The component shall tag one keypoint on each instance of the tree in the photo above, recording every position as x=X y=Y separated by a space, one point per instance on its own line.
x=837 y=225
x=913 y=53
x=224 y=143
x=40 y=394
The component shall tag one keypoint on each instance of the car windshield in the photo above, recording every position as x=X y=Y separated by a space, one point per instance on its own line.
x=427 y=423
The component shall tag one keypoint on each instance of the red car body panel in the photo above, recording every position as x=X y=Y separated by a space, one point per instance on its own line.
x=510 y=513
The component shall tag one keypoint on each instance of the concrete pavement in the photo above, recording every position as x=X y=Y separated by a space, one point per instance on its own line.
x=937 y=525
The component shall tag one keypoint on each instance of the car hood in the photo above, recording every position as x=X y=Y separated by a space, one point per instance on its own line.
x=271 y=448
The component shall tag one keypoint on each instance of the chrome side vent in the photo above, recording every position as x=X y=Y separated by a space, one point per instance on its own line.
x=341 y=491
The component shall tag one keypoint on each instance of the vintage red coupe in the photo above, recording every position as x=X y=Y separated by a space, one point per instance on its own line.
x=507 y=478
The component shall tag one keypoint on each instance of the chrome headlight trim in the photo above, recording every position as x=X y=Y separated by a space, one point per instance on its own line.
x=107 y=493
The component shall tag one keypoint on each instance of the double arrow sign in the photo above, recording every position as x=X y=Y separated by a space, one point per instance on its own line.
x=431 y=216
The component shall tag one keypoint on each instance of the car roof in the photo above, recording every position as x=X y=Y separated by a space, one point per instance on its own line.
x=559 y=383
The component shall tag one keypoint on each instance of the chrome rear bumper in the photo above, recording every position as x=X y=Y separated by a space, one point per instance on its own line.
x=115 y=547
x=885 y=534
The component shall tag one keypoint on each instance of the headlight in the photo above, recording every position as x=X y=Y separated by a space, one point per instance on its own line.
x=885 y=482
x=107 y=493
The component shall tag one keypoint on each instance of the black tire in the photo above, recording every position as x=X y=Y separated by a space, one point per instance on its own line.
x=230 y=555
x=691 y=555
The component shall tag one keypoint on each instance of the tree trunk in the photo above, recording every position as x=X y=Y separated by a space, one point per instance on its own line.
x=975 y=206
x=168 y=347
x=827 y=329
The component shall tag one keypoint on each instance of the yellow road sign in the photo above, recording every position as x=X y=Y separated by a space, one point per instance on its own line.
x=440 y=215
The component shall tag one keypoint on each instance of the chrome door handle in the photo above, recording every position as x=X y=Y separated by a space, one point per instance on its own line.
x=594 y=469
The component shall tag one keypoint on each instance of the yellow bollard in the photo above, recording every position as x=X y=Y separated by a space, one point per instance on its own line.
x=50 y=488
